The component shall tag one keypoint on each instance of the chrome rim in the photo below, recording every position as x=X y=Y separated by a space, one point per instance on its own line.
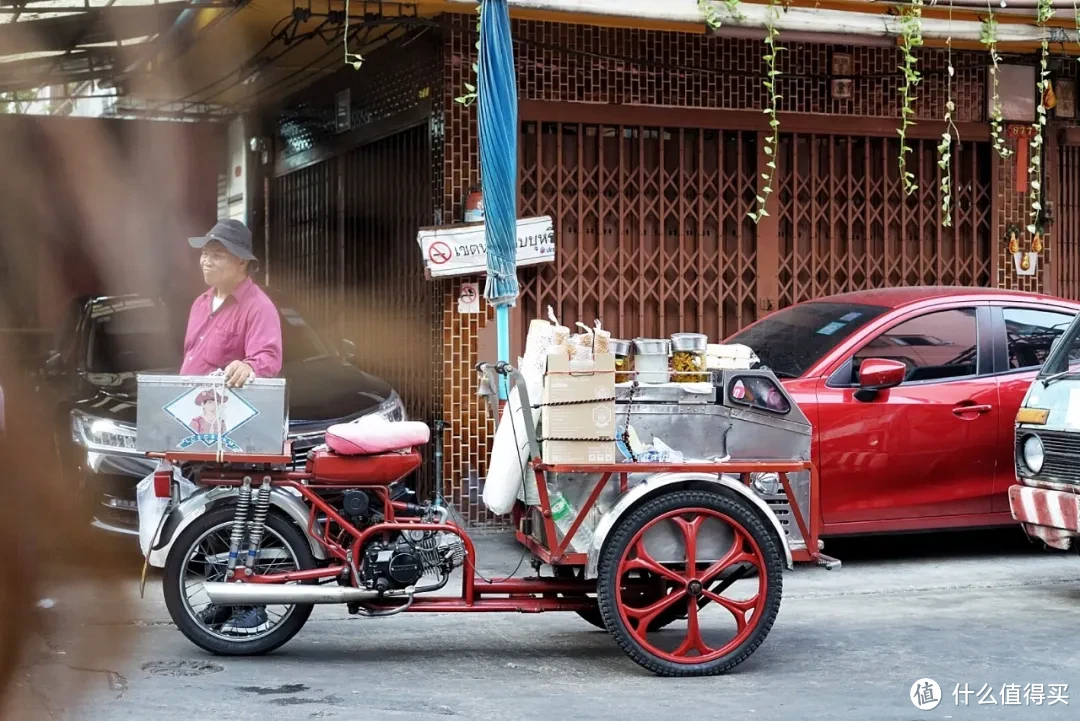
x=206 y=560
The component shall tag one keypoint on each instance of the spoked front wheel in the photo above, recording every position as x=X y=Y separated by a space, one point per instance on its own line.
x=201 y=555
x=722 y=571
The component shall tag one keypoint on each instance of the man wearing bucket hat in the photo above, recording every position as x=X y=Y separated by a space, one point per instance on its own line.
x=233 y=326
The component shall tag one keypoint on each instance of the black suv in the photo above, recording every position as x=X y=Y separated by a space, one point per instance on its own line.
x=90 y=379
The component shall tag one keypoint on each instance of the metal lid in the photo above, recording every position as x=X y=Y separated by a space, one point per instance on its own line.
x=652 y=346
x=620 y=347
x=690 y=341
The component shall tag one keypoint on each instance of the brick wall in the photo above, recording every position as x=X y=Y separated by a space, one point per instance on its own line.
x=558 y=62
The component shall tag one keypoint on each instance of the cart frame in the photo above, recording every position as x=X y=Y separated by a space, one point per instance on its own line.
x=558 y=554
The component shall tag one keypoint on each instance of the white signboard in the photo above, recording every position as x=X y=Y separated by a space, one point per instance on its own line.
x=469 y=298
x=461 y=250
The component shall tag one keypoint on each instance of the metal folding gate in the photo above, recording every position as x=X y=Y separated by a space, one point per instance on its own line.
x=1065 y=237
x=652 y=231
x=653 y=236
x=845 y=223
x=343 y=244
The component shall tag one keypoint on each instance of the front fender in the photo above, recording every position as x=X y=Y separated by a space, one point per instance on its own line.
x=204 y=501
x=652 y=486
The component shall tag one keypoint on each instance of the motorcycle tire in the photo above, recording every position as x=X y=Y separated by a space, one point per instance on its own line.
x=289 y=533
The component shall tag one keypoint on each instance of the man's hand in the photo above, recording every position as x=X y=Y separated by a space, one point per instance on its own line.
x=238 y=373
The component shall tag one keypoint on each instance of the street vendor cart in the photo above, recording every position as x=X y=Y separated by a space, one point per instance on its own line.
x=679 y=555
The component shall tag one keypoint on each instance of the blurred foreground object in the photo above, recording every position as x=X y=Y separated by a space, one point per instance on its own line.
x=56 y=572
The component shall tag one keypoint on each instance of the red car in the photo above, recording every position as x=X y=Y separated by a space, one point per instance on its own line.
x=912 y=393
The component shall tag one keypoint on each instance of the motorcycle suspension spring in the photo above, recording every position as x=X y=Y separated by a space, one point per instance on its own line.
x=239 y=525
x=258 y=524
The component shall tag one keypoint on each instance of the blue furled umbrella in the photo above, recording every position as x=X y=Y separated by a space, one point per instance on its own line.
x=497 y=100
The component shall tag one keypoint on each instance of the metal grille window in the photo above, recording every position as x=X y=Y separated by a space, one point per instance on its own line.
x=303 y=240
x=343 y=245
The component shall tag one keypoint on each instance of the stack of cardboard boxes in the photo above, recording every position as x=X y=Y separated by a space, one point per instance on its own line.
x=578 y=413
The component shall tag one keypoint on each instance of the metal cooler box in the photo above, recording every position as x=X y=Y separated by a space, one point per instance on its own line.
x=196 y=413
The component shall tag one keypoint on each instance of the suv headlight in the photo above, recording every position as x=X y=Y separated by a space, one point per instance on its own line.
x=1034 y=454
x=392 y=409
x=101 y=434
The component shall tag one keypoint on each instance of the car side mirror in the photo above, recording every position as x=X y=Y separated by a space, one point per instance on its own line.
x=879 y=374
x=348 y=349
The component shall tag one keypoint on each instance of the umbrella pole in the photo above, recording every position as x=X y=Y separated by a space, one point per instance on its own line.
x=502 y=329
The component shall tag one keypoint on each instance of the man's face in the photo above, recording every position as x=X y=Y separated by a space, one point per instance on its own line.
x=210 y=410
x=219 y=266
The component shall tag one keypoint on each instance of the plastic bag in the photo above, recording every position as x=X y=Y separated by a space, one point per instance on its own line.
x=581 y=345
x=560 y=334
x=660 y=452
x=601 y=340
x=152 y=508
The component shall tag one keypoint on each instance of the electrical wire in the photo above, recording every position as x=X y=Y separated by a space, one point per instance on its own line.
x=275 y=35
x=286 y=80
x=297 y=42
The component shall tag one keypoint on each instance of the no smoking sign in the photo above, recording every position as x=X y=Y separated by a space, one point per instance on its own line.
x=469 y=298
x=439 y=253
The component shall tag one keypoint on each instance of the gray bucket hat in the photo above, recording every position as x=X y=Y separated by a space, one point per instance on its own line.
x=233 y=234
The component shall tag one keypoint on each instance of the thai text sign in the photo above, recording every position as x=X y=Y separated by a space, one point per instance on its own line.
x=462 y=250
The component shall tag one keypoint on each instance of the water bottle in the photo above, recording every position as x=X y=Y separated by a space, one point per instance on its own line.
x=564 y=514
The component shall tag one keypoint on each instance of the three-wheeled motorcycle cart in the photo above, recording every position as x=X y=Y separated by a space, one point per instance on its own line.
x=682 y=563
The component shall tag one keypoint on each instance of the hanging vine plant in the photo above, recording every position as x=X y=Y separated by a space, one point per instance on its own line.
x=772 y=50
x=712 y=15
x=1076 y=18
x=353 y=59
x=1045 y=12
x=470 y=97
x=910 y=38
x=989 y=39
x=945 y=146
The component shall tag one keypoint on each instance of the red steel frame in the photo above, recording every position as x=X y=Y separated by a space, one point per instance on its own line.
x=520 y=595
x=559 y=556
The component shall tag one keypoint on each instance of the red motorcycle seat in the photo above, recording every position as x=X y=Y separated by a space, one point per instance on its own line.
x=378 y=469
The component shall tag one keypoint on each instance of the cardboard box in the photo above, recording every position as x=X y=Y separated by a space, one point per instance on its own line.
x=582 y=430
x=575 y=452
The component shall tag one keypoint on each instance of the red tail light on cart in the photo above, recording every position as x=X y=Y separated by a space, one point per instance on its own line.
x=163 y=483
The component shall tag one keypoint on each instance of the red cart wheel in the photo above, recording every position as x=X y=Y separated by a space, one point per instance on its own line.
x=723 y=538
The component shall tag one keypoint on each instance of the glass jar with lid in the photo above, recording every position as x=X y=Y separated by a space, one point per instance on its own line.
x=623 y=360
x=688 y=352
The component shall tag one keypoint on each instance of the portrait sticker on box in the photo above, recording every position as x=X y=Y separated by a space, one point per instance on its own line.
x=199 y=414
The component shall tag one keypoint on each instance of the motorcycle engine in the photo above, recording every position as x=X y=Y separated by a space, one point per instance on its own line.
x=404 y=560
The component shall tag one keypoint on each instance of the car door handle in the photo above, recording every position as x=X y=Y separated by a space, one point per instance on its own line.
x=965 y=410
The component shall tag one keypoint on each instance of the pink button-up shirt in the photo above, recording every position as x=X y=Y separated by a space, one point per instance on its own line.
x=246 y=327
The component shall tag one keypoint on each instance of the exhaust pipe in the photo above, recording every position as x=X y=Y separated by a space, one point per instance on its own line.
x=260 y=594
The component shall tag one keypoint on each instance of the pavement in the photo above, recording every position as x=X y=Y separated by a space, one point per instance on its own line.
x=985 y=612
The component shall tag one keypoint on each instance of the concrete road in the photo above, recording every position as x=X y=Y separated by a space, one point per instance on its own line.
x=987 y=610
